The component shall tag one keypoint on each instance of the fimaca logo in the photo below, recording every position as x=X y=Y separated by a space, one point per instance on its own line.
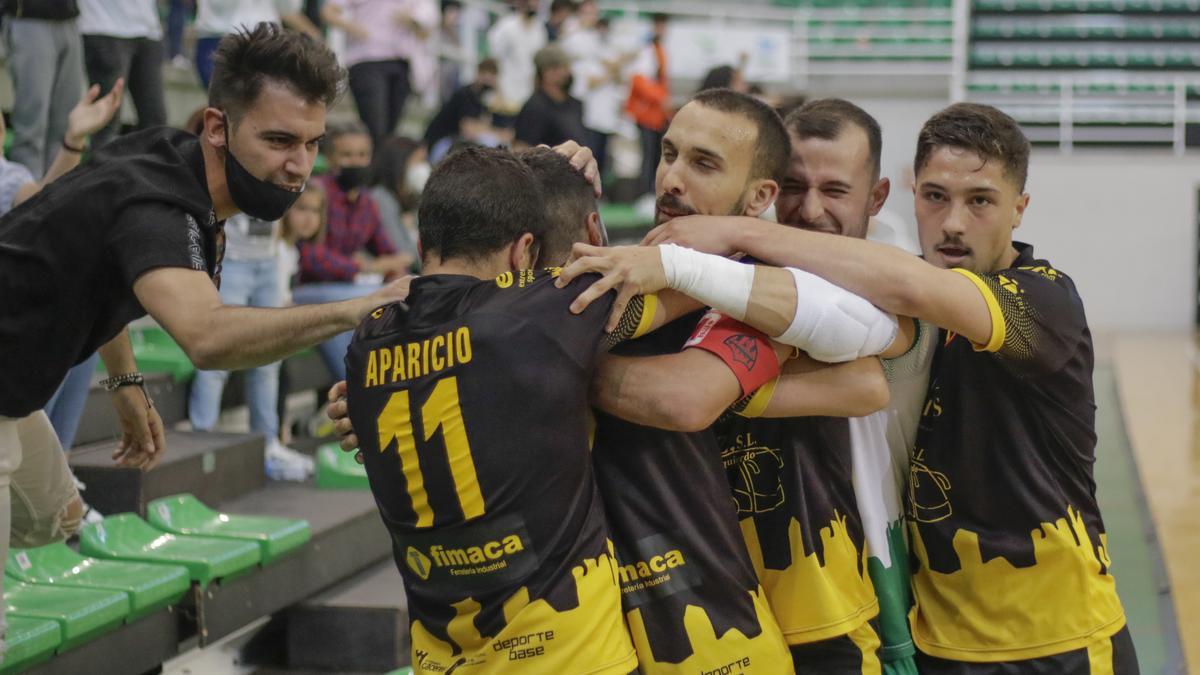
x=418 y=563
x=471 y=555
x=744 y=349
x=654 y=565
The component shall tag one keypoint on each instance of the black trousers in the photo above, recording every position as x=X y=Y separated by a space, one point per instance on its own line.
x=139 y=61
x=651 y=153
x=380 y=89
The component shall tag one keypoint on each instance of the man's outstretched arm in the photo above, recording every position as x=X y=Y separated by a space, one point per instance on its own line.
x=792 y=306
x=888 y=277
x=224 y=337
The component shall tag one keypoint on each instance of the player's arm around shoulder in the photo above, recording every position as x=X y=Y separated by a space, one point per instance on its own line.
x=806 y=387
x=218 y=336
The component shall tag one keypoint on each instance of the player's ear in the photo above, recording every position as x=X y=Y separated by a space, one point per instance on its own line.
x=760 y=197
x=522 y=255
x=596 y=233
x=879 y=195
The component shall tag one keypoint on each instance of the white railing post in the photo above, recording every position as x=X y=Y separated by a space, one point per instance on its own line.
x=960 y=49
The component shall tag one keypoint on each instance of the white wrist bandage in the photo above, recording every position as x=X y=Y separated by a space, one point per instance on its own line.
x=718 y=282
x=834 y=325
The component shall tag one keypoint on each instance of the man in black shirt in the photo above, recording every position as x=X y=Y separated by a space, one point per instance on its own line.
x=464 y=115
x=551 y=116
x=139 y=230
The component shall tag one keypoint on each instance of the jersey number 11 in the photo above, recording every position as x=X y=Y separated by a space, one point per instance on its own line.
x=441 y=410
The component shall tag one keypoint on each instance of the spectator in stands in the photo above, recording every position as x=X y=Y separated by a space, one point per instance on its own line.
x=649 y=98
x=383 y=39
x=249 y=277
x=724 y=77
x=45 y=60
x=598 y=73
x=451 y=55
x=179 y=12
x=551 y=116
x=217 y=18
x=17 y=184
x=512 y=42
x=123 y=39
x=561 y=12
x=398 y=174
x=356 y=254
x=465 y=116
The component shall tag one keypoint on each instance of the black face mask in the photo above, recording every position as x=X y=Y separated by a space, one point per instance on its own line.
x=253 y=196
x=353 y=177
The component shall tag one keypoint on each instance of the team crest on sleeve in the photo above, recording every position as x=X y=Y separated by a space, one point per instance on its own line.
x=744 y=349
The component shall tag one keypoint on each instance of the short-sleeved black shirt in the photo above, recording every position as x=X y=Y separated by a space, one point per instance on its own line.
x=684 y=571
x=70 y=254
x=471 y=404
x=1011 y=558
x=465 y=103
x=543 y=120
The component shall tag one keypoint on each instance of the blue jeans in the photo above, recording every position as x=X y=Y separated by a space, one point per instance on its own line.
x=253 y=283
x=66 y=406
x=204 y=58
x=333 y=352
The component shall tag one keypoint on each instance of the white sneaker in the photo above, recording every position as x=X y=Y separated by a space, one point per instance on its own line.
x=284 y=463
x=90 y=515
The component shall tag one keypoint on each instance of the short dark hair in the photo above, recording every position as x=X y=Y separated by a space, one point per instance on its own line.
x=476 y=202
x=717 y=78
x=559 y=5
x=488 y=65
x=982 y=129
x=347 y=128
x=389 y=163
x=772 y=148
x=248 y=58
x=568 y=200
x=826 y=119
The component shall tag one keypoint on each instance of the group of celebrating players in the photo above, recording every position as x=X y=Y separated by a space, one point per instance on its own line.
x=664 y=458
x=642 y=459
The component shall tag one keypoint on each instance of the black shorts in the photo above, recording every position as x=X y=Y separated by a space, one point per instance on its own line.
x=855 y=653
x=1112 y=656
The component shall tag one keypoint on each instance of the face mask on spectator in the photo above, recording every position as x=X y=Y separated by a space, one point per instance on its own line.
x=416 y=176
x=353 y=177
x=253 y=196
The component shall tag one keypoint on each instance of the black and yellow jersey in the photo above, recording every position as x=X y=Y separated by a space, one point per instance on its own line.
x=688 y=587
x=470 y=403
x=1011 y=557
x=793 y=483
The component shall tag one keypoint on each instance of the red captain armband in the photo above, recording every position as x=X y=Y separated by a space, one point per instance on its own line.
x=747 y=351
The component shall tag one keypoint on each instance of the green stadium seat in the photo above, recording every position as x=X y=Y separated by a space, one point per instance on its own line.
x=337 y=470
x=127 y=537
x=184 y=514
x=157 y=352
x=81 y=613
x=30 y=641
x=149 y=587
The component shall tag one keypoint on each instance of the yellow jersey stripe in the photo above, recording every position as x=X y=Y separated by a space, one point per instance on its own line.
x=649 y=309
x=998 y=329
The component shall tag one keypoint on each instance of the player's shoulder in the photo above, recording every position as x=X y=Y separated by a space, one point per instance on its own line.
x=382 y=321
x=539 y=285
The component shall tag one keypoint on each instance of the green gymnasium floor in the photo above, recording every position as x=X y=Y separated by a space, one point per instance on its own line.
x=1137 y=560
